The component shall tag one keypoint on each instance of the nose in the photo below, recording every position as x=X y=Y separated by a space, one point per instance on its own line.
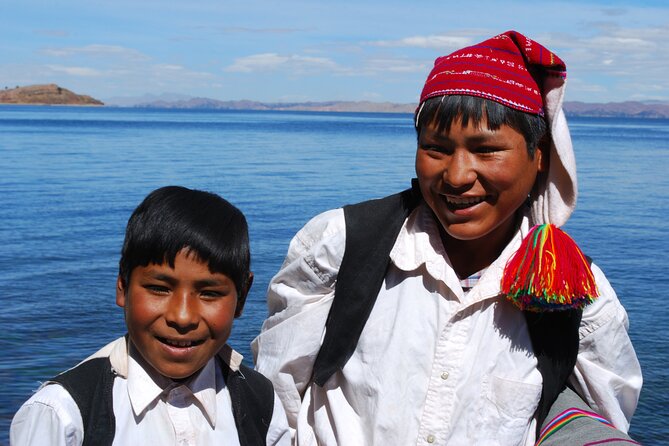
x=181 y=312
x=460 y=170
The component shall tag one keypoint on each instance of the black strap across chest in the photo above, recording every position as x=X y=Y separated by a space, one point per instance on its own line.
x=252 y=398
x=371 y=230
x=91 y=386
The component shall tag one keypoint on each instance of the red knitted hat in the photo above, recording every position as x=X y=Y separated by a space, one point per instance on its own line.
x=508 y=68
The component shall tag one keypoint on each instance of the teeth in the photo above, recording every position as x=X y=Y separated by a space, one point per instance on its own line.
x=464 y=200
x=178 y=343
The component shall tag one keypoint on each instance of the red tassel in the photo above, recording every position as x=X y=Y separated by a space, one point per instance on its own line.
x=548 y=272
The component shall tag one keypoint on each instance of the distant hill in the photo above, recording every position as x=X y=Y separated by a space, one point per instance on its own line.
x=52 y=94
x=49 y=94
x=627 y=109
x=612 y=109
x=329 y=106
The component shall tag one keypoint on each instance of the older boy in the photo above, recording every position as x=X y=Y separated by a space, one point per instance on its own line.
x=183 y=279
x=438 y=355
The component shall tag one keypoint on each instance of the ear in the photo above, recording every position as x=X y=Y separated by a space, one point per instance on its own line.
x=120 y=292
x=542 y=153
x=241 y=299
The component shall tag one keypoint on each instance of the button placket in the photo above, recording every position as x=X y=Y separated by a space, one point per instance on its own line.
x=439 y=399
x=178 y=412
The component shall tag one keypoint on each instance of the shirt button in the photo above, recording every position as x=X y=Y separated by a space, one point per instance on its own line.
x=430 y=438
x=444 y=375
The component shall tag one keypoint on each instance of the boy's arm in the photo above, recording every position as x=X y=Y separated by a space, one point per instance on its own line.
x=278 y=433
x=299 y=300
x=50 y=417
x=607 y=372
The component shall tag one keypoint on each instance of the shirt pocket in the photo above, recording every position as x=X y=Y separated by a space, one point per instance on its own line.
x=506 y=409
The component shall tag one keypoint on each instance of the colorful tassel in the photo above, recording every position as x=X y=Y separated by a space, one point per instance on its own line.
x=548 y=272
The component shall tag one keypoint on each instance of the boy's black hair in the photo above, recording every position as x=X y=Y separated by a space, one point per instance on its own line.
x=445 y=109
x=172 y=218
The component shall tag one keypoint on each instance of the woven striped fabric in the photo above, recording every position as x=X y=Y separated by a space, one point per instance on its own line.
x=569 y=415
x=507 y=68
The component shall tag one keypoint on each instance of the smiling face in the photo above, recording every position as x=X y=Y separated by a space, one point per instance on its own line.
x=179 y=318
x=474 y=179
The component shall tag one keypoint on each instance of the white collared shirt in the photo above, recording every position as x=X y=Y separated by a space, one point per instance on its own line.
x=149 y=409
x=433 y=365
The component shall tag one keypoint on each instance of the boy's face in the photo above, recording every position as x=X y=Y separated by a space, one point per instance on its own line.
x=178 y=318
x=474 y=179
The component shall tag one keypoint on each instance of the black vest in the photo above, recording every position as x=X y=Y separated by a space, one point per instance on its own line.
x=91 y=386
x=371 y=230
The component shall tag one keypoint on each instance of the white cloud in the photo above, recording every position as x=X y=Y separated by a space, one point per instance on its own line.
x=169 y=67
x=75 y=71
x=433 y=41
x=395 y=65
x=630 y=63
x=95 y=50
x=295 y=64
x=176 y=72
x=274 y=61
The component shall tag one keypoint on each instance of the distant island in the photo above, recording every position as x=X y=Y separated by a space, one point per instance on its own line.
x=52 y=94
x=49 y=94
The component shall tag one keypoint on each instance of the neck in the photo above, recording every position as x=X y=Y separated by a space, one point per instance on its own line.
x=470 y=256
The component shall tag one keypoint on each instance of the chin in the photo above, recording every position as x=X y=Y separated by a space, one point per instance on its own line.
x=463 y=231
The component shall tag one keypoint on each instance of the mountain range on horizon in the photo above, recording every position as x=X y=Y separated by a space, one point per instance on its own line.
x=52 y=94
x=627 y=109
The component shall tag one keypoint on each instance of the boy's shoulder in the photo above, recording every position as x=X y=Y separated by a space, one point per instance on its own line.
x=232 y=367
x=329 y=230
x=90 y=384
x=64 y=404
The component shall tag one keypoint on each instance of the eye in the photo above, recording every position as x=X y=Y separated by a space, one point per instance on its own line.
x=157 y=289
x=214 y=294
x=436 y=149
x=487 y=149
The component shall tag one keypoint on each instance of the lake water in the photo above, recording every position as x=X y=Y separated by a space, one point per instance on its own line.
x=71 y=177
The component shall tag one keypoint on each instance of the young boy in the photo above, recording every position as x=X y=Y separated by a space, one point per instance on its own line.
x=438 y=354
x=183 y=278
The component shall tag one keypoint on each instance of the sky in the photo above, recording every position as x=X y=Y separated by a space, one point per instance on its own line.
x=299 y=50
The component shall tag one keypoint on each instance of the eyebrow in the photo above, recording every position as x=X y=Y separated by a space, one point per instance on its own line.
x=208 y=282
x=198 y=283
x=442 y=138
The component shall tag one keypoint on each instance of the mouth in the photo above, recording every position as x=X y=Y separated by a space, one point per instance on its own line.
x=455 y=203
x=180 y=343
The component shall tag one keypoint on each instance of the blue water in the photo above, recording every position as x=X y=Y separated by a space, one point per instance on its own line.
x=70 y=178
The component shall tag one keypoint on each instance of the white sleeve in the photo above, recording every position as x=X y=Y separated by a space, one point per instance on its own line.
x=50 y=417
x=607 y=372
x=299 y=300
x=278 y=433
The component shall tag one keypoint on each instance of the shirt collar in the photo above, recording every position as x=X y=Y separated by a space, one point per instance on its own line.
x=419 y=243
x=145 y=385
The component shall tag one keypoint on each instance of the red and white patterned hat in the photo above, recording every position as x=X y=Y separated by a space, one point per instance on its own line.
x=507 y=68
